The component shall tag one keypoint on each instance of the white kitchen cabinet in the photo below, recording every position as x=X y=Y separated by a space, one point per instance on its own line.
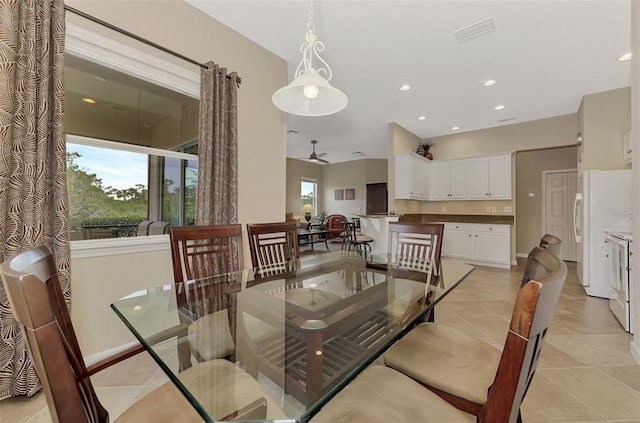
x=449 y=180
x=626 y=145
x=478 y=243
x=412 y=177
x=458 y=240
x=489 y=178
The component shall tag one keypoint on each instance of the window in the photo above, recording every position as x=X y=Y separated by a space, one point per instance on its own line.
x=308 y=196
x=114 y=186
x=121 y=131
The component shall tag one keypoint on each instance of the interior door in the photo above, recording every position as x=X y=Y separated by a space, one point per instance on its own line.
x=560 y=188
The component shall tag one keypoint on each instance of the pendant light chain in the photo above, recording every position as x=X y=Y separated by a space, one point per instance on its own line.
x=310 y=26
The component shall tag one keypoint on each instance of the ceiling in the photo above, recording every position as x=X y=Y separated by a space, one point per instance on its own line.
x=544 y=55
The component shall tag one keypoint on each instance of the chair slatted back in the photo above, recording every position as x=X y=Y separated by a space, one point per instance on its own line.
x=36 y=299
x=552 y=243
x=415 y=246
x=534 y=308
x=273 y=246
x=201 y=251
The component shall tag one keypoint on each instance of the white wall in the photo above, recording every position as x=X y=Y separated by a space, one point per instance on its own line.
x=96 y=282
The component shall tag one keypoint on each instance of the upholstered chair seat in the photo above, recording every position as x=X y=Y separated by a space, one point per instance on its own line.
x=438 y=356
x=381 y=394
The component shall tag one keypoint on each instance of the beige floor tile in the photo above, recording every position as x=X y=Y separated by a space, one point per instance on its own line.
x=22 y=409
x=604 y=394
x=590 y=323
x=42 y=417
x=629 y=375
x=135 y=371
x=552 y=357
x=584 y=305
x=462 y=325
x=596 y=350
x=546 y=402
x=495 y=327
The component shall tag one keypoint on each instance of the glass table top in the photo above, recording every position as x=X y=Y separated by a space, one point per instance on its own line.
x=277 y=344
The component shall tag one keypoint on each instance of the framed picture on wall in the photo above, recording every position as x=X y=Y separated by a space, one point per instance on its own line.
x=350 y=194
x=338 y=194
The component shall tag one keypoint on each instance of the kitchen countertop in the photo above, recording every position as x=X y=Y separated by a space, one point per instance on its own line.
x=461 y=218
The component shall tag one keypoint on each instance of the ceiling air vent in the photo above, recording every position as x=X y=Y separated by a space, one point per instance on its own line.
x=475 y=30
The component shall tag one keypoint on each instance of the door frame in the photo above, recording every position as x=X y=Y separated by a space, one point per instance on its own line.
x=544 y=195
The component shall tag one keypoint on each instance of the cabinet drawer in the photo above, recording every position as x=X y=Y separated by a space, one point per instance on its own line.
x=453 y=226
x=503 y=229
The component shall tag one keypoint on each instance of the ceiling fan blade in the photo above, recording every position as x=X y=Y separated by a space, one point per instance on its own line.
x=321 y=154
x=323 y=161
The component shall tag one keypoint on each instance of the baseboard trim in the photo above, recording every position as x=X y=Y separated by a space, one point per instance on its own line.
x=635 y=348
x=523 y=255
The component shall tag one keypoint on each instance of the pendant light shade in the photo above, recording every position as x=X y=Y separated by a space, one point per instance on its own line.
x=310 y=93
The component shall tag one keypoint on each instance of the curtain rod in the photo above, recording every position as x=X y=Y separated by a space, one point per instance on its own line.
x=138 y=38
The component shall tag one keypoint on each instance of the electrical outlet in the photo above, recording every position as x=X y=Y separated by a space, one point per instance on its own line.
x=488 y=209
x=493 y=209
x=508 y=209
x=444 y=209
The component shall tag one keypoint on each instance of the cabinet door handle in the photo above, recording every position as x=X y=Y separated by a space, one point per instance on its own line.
x=476 y=236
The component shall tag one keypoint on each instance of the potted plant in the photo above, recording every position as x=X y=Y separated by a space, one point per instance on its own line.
x=423 y=149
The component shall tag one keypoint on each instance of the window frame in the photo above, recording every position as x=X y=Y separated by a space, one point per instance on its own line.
x=316 y=200
x=89 y=45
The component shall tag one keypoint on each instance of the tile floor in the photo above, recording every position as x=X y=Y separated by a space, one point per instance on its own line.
x=586 y=373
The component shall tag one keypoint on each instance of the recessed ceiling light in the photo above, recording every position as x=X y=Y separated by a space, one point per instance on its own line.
x=489 y=82
x=422 y=118
x=500 y=107
x=101 y=79
x=624 y=57
x=455 y=128
x=292 y=132
x=89 y=100
x=405 y=87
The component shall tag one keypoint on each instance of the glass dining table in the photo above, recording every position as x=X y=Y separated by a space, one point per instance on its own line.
x=300 y=331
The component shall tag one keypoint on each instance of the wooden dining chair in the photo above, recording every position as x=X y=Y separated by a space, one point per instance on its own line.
x=273 y=246
x=36 y=300
x=462 y=369
x=353 y=240
x=415 y=246
x=199 y=252
x=450 y=367
x=552 y=243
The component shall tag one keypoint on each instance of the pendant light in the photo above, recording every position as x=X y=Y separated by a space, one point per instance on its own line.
x=310 y=93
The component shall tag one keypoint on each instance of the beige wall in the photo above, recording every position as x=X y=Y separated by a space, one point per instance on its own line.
x=354 y=174
x=261 y=137
x=542 y=133
x=606 y=117
x=529 y=168
x=296 y=171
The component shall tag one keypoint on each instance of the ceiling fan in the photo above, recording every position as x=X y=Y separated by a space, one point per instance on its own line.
x=315 y=157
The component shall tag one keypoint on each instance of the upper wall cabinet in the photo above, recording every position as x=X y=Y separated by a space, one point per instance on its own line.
x=490 y=178
x=449 y=180
x=412 y=177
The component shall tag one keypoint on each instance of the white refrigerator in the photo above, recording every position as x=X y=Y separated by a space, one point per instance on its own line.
x=603 y=201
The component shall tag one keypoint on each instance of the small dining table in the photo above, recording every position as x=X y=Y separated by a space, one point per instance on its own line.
x=302 y=329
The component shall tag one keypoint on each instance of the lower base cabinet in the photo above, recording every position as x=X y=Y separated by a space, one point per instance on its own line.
x=477 y=243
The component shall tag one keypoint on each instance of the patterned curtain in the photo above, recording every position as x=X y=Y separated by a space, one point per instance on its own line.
x=33 y=189
x=217 y=200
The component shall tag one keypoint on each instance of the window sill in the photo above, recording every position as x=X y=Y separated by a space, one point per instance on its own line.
x=117 y=246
